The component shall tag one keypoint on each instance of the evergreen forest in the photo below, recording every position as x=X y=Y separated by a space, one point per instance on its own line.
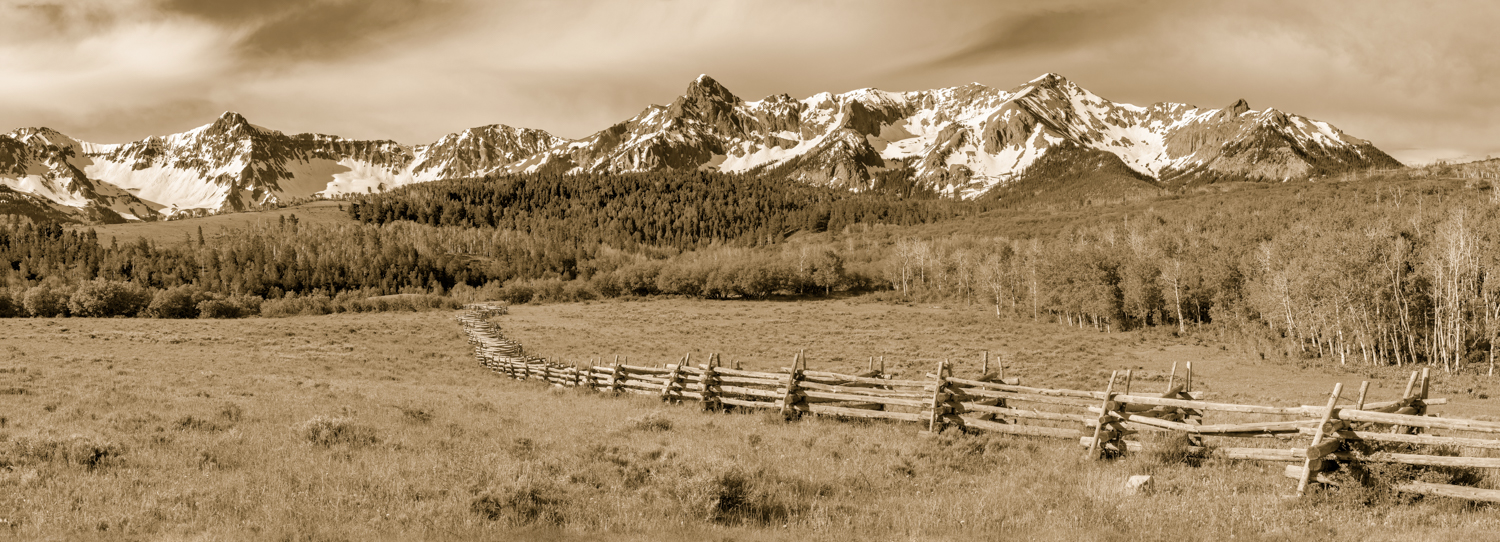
x=1391 y=268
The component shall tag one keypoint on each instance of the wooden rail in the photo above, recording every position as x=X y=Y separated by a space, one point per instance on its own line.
x=1101 y=421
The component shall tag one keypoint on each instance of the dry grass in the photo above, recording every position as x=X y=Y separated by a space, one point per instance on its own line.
x=380 y=426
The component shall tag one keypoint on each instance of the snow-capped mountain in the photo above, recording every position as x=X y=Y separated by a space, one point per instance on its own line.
x=962 y=141
x=968 y=139
x=49 y=167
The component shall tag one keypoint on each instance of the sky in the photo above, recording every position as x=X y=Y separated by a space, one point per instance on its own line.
x=1414 y=78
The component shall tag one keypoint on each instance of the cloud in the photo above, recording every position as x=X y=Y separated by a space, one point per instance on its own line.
x=300 y=30
x=1055 y=27
x=1404 y=75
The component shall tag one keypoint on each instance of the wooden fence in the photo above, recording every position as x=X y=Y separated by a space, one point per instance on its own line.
x=1314 y=440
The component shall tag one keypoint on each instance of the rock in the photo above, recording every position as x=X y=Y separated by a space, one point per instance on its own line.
x=1138 y=484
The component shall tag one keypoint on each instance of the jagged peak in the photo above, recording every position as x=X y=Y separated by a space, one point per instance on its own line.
x=1238 y=107
x=1049 y=80
x=706 y=87
x=231 y=121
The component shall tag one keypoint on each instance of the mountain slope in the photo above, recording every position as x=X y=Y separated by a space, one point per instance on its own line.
x=968 y=139
x=963 y=141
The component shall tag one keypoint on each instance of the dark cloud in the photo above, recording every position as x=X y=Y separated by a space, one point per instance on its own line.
x=1052 y=29
x=231 y=12
x=318 y=29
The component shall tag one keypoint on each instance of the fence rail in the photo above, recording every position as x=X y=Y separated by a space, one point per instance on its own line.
x=1101 y=421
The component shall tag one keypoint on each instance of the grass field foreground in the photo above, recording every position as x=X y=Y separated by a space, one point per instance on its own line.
x=381 y=426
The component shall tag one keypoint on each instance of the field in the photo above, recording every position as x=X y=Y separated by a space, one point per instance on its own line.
x=381 y=426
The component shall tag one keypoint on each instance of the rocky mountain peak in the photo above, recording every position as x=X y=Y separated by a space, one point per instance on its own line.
x=1239 y=106
x=1049 y=81
x=231 y=122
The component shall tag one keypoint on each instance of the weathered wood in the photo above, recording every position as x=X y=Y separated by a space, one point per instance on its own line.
x=1094 y=447
x=750 y=381
x=1258 y=454
x=790 y=395
x=1290 y=426
x=997 y=384
x=752 y=374
x=1451 y=491
x=670 y=380
x=1023 y=413
x=746 y=403
x=933 y=423
x=863 y=413
x=899 y=401
x=1205 y=405
x=1307 y=466
x=1018 y=429
x=752 y=392
x=1457 y=424
x=867 y=380
x=1027 y=397
x=878 y=392
x=1434 y=460
x=1414 y=439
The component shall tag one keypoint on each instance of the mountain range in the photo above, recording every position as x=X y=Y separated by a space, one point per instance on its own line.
x=962 y=141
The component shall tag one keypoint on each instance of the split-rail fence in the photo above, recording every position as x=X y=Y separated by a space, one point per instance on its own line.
x=1321 y=438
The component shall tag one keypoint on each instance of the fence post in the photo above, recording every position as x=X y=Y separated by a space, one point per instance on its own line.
x=614 y=380
x=666 y=389
x=1096 y=448
x=940 y=399
x=1318 y=449
x=707 y=383
x=1407 y=396
x=792 y=395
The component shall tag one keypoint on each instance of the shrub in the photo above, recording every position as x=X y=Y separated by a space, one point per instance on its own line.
x=654 y=421
x=10 y=307
x=231 y=412
x=517 y=292
x=101 y=298
x=43 y=302
x=326 y=431
x=737 y=497
x=190 y=423
x=85 y=451
x=416 y=415
x=177 y=302
x=230 y=307
x=308 y=305
x=526 y=502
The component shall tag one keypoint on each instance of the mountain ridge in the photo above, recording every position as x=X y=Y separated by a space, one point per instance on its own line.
x=962 y=141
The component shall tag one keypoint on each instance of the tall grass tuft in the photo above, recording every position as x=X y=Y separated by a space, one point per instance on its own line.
x=330 y=431
x=82 y=450
x=525 y=502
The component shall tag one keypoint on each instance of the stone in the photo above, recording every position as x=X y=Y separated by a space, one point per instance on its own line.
x=1138 y=484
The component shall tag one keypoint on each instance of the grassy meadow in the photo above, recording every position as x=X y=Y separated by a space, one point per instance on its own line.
x=382 y=426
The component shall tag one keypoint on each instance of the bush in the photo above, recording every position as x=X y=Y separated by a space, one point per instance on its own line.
x=517 y=292
x=309 y=305
x=10 y=307
x=101 y=298
x=178 y=302
x=527 y=502
x=737 y=497
x=230 y=307
x=42 y=302
x=654 y=421
x=85 y=451
x=325 y=431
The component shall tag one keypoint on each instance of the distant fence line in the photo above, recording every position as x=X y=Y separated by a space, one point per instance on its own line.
x=1101 y=421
